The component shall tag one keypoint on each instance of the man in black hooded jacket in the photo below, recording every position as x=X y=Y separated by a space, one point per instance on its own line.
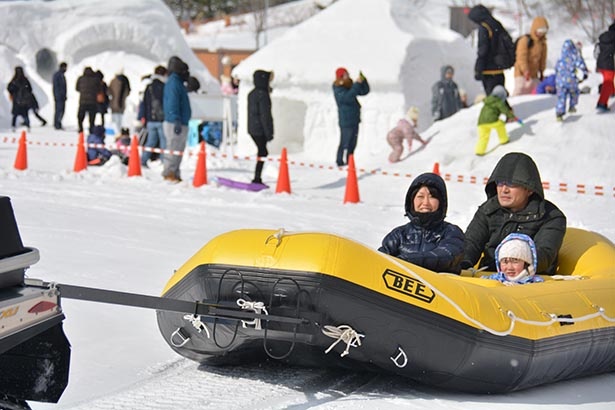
x=486 y=69
x=515 y=203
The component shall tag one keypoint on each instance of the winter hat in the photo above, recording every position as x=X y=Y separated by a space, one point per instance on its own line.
x=412 y=114
x=516 y=248
x=500 y=92
x=339 y=73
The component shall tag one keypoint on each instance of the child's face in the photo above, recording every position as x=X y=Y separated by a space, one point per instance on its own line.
x=511 y=267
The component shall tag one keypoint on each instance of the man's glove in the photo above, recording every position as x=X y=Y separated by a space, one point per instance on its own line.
x=465 y=264
x=177 y=128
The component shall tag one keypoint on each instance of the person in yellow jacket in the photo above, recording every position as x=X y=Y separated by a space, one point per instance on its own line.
x=531 y=57
x=495 y=105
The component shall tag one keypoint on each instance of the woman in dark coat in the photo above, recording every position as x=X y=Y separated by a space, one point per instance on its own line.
x=349 y=111
x=20 y=90
x=605 y=64
x=427 y=240
x=260 y=120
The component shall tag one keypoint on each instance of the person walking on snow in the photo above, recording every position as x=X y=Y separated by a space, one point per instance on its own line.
x=177 y=113
x=605 y=64
x=348 y=111
x=445 y=95
x=485 y=68
x=531 y=57
x=566 y=80
x=489 y=118
x=59 y=95
x=20 y=90
x=405 y=130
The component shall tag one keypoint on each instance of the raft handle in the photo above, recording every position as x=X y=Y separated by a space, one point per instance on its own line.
x=179 y=333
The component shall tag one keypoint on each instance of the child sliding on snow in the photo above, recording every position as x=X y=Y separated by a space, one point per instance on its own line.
x=404 y=130
x=489 y=118
x=566 y=81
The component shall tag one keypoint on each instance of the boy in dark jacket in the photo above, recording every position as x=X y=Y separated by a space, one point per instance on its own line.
x=515 y=203
x=349 y=111
x=260 y=120
x=489 y=118
x=445 y=97
x=427 y=240
x=97 y=153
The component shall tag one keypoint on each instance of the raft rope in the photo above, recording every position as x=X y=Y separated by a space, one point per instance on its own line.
x=343 y=333
x=256 y=307
x=195 y=321
x=553 y=318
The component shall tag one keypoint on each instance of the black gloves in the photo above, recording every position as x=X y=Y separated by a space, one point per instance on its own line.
x=177 y=127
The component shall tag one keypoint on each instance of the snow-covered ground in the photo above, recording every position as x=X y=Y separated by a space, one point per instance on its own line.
x=99 y=228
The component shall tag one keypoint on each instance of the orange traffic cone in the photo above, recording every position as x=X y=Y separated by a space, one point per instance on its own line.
x=436 y=168
x=81 y=158
x=283 y=178
x=352 y=184
x=200 y=173
x=134 y=161
x=21 y=159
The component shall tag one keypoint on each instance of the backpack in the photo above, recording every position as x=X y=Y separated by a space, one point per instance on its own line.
x=153 y=95
x=504 y=48
x=530 y=43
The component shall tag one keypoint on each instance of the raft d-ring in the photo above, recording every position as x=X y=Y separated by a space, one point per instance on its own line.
x=401 y=360
x=182 y=337
x=278 y=235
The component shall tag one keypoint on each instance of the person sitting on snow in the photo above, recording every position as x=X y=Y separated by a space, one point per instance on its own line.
x=404 y=130
x=122 y=142
x=97 y=153
x=515 y=261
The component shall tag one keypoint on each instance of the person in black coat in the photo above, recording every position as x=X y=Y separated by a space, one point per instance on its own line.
x=515 y=203
x=260 y=120
x=427 y=240
x=88 y=86
x=349 y=111
x=59 y=95
x=20 y=91
x=486 y=69
x=606 y=66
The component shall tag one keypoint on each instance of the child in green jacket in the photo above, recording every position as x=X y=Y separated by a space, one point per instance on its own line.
x=494 y=105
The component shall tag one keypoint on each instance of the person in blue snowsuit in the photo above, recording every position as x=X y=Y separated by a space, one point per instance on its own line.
x=97 y=155
x=547 y=86
x=566 y=80
x=427 y=240
x=516 y=260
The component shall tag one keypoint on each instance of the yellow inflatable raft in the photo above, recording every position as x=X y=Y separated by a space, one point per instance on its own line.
x=324 y=300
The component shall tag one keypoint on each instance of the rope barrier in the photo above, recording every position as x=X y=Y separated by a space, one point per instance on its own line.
x=579 y=189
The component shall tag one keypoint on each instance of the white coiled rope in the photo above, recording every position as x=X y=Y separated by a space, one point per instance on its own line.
x=343 y=333
x=256 y=307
